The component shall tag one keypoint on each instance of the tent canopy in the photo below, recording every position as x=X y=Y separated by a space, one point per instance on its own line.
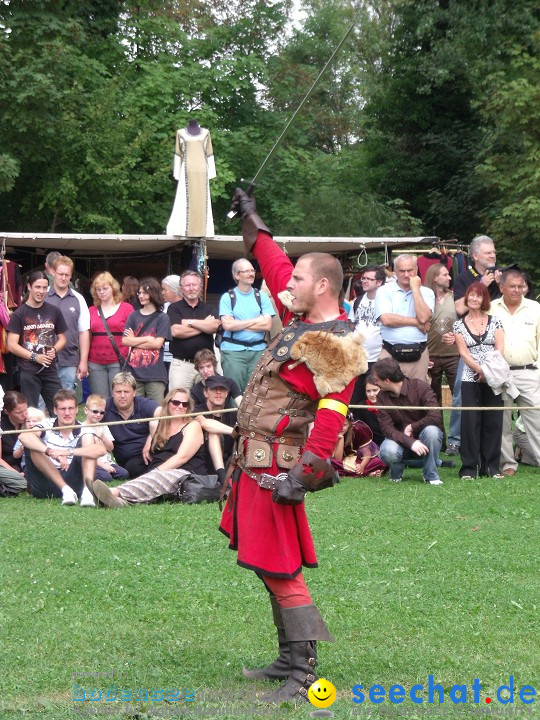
x=220 y=247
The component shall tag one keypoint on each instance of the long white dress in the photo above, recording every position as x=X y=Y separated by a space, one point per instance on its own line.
x=194 y=167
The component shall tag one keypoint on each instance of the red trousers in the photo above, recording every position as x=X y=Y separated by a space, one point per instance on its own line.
x=289 y=592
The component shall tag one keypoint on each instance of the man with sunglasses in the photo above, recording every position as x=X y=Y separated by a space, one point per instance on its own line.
x=132 y=441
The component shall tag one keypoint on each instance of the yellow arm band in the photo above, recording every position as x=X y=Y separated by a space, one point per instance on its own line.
x=334 y=405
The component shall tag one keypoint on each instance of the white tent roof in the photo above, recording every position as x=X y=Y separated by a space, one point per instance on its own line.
x=221 y=246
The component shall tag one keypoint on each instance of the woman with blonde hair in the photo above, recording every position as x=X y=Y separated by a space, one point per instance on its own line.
x=108 y=317
x=175 y=449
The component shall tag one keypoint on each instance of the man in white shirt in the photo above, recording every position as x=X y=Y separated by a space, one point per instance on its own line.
x=363 y=314
x=521 y=322
x=404 y=309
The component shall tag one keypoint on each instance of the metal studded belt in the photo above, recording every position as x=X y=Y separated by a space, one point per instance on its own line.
x=252 y=435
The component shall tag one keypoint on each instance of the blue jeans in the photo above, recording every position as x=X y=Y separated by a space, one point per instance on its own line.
x=68 y=377
x=454 y=431
x=395 y=455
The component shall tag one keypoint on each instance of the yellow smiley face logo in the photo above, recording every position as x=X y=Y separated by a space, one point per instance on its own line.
x=322 y=693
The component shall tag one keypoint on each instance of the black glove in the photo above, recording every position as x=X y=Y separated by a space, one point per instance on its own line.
x=290 y=491
x=243 y=204
x=310 y=473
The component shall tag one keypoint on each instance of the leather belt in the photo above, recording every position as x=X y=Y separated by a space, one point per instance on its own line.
x=189 y=360
x=523 y=367
x=280 y=439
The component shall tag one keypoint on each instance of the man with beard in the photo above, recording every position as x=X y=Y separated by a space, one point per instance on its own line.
x=289 y=419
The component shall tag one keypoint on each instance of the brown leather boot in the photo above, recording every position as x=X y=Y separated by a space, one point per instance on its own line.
x=279 y=669
x=303 y=626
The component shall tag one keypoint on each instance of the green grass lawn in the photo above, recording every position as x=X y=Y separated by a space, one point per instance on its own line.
x=413 y=580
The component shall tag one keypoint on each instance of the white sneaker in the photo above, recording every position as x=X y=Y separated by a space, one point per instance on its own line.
x=69 y=496
x=438 y=481
x=86 y=498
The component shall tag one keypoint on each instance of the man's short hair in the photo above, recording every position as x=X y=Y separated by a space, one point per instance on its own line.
x=380 y=275
x=63 y=395
x=187 y=273
x=511 y=272
x=124 y=378
x=203 y=356
x=388 y=369
x=326 y=266
x=51 y=257
x=405 y=256
x=63 y=260
x=474 y=247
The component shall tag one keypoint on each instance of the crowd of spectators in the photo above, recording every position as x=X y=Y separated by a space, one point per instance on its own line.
x=154 y=348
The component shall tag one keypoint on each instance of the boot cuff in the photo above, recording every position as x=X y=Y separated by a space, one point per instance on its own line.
x=304 y=623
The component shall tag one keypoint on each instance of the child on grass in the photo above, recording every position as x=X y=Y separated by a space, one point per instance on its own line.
x=106 y=468
x=34 y=416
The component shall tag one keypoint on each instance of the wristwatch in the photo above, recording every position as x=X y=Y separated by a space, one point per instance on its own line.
x=190 y=322
x=33 y=356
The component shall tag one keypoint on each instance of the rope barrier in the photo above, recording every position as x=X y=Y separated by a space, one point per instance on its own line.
x=229 y=410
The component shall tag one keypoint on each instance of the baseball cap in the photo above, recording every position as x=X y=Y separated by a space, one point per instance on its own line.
x=215 y=381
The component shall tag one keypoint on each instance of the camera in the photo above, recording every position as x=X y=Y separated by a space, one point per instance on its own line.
x=492 y=268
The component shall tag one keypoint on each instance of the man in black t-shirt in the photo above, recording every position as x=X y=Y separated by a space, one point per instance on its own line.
x=484 y=256
x=193 y=324
x=36 y=334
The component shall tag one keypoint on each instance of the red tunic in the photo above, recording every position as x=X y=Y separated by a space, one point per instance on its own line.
x=274 y=539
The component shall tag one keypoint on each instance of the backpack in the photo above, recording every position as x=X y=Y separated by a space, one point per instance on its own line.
x=220 y=331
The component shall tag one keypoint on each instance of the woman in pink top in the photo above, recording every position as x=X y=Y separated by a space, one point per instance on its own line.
x=103 y=358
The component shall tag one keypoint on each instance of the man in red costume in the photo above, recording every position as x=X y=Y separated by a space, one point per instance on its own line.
x=306 y=376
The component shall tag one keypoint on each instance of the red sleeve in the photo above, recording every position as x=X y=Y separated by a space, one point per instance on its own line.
x=328 y=423
x=276 y=268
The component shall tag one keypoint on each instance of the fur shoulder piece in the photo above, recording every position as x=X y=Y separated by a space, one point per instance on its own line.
x=333 y=360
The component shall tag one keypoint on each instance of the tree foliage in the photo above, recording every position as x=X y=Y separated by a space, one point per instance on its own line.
x=427 y=120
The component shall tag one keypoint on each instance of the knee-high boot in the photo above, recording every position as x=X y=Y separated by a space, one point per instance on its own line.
x=279 y=669
x=303 y=627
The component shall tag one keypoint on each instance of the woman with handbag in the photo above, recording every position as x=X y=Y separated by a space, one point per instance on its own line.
x=175 y=448
x=145 y=335
x=108 y=318
x=479 y=334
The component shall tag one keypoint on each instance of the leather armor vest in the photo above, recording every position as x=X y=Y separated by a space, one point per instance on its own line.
x=268 y=399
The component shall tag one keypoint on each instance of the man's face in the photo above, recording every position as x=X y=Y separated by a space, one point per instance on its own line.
x=370 y=282
x=302 y=286
x=38 y=290
x=123 y=396
x=512 y=290
x=66 y=412
x=216 y=396
x=443 y=279
x=405 y=270
x=485 y=257
x=206 y=369
x=191 y=288
x=245 y=273
x=61 y=277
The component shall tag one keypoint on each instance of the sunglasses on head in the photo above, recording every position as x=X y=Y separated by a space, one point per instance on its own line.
x=96 y=412
x=180 y=403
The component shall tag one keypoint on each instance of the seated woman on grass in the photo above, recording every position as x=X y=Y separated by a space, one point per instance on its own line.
x=177 y=449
